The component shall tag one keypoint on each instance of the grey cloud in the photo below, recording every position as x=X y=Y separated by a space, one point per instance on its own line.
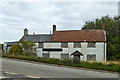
x=39 y=17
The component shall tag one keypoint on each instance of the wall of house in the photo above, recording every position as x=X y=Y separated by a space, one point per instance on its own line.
x=5 y=47
x=98 y=50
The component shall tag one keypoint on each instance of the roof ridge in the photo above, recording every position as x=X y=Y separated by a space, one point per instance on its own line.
x=68 y=30
x=79 y=30
x=38 y=34
x=12 y=41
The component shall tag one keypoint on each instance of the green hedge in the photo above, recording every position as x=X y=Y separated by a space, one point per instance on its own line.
x=91 y=65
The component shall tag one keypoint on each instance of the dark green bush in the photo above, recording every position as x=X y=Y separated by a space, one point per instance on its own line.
x=30 y=54
x=76 y=61
x=66 y=61
x=111 y=64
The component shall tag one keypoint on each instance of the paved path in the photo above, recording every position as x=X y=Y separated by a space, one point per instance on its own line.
x=49 y=71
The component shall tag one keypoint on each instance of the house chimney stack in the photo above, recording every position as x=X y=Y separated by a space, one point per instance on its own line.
x=25 y=32
x=54 y=28
x=50 y=32
x=34 y=33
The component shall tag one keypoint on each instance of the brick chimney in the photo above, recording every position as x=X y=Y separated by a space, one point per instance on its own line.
x=54 y=28
x=25 y=32
x=34 y=33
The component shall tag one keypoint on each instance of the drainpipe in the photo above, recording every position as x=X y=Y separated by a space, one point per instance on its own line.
x=84 y=50
x=104 y=51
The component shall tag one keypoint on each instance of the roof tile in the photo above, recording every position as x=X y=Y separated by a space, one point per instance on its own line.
x=37 y=38
x=79 y=36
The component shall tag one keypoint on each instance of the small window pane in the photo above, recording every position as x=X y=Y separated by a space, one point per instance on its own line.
x=77 y=45
x=64 y=44
x=91 y=57
x=40 y=45
x=91 y=44
x=45 y=55
x=64 y=56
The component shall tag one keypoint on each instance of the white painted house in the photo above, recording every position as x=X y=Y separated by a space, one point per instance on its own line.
x=56 y=50
x=85 y=45
x=7 y=46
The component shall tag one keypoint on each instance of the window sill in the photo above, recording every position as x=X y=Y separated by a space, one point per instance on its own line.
x=64 y=47
x=40 y=47
x=92 y=47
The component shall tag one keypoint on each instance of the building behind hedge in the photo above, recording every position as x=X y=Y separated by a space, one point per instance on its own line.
x=85 y=45
x=7 y=46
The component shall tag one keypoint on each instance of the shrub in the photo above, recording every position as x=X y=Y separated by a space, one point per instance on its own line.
x=28 y=46
x=111 y=64
x=16 y=49
x=76 y=61
x=30 y=54
x=66 y=61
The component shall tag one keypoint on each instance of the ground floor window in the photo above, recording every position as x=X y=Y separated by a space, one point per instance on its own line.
x=91 y=57
x=45 y=55
x=64 y=56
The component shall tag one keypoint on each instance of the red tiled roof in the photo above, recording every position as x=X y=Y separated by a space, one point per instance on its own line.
x=79 y=36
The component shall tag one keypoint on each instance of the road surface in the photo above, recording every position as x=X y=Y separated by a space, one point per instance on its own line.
x=50 y=71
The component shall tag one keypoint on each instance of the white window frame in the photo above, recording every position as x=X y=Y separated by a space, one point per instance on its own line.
x=91 y=44
x=64 y=44
x=91 y=55
x=40 y=46
x=77 y=44
x=64 y=54
x=44 y=56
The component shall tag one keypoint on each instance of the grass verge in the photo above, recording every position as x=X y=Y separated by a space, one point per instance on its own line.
x=92 y=65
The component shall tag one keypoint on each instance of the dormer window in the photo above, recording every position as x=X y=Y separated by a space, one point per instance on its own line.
x=40 y=45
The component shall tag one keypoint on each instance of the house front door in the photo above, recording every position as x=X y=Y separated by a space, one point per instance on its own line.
x=76 y=57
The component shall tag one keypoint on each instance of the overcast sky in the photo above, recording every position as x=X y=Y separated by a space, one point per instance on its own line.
x=39 y=17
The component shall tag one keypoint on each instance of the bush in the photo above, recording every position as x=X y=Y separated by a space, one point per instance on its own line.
x=30 y=54
x=66 y=61
x=111 y=64
x=76 y=61
x=28 y=46
x=16 y=49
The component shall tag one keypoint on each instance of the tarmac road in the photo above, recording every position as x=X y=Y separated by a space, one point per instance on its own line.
x=50 y=71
